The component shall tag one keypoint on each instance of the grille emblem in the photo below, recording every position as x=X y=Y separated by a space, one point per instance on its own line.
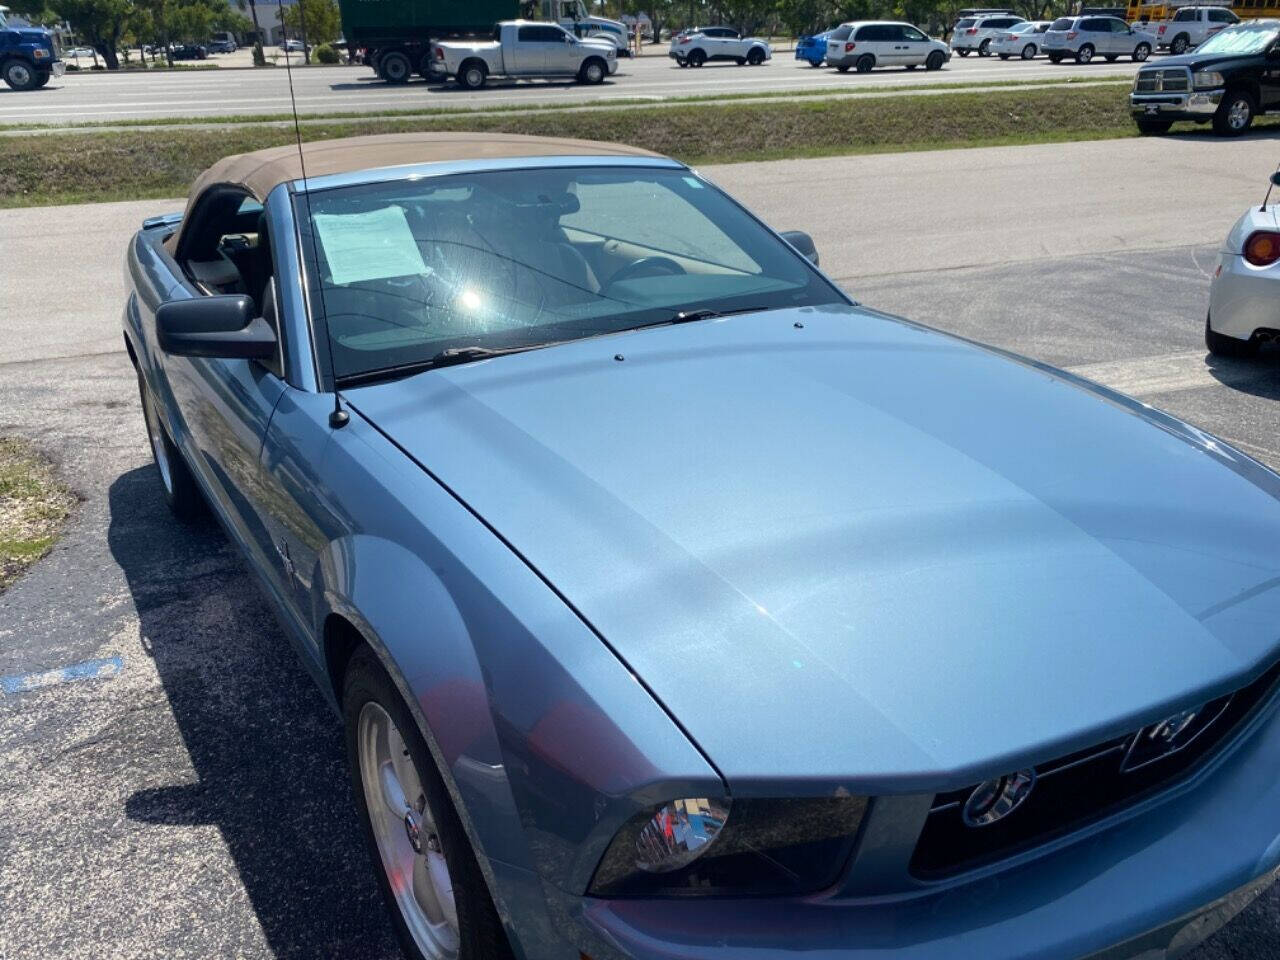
x=994 y=800
x=1168 y=736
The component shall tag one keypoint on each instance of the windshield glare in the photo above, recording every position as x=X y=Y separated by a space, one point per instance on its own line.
x=510 y=259
x=1243 y=38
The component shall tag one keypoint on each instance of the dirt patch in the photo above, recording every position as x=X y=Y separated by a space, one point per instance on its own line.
x=34 y=504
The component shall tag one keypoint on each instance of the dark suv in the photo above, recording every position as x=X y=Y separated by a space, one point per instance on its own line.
x=1229 y=79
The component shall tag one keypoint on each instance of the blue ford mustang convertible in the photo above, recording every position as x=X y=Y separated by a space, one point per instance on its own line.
x=678 y=607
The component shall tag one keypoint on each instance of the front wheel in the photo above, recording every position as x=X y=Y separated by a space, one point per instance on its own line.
x=1029 y=52
x=935 y=61
x=1141 y=52
x=1234 y=114
x=1149 y=127
x=984 y=48
x=1220 y=345
x=180 y=490
x=755 y=56
x=19 y=75
x=440 y=905
x=593 y=71
x=1084 y=54
x=963 y=53
x=865 y=63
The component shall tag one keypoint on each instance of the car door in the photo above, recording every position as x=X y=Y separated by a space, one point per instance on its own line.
x=915 y=45
x=225 y=406
x=563 y=52
x=529 y=56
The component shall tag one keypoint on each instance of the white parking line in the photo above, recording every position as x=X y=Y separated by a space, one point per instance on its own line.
x=1169 y=373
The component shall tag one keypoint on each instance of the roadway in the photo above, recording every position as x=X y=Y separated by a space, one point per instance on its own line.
x=196 y=803
x=102 y=97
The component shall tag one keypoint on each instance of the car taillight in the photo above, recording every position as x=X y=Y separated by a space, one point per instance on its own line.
x=684 y=39
x=1071 y=35
x=971 y=31
x=439 y=53
x=849 y=46
x=1163 y=28
x=1262 y=248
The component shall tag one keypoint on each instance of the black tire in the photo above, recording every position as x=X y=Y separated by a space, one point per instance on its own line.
x=755 y=56
x=179 y=486
x=1055 y=58
x=1179 y=44
x=963 y=53
x=1234 y=114
x=42 y=79
x=472 y=74
x=697 y=58
x=480 y=930
x=1150 y=127
x=1141 y=52
x=19 y=74
x=984 y=48
x=394 y=67
x=866 y=63
x=1029 y=52
x=1085 y=53
x=935 y=60
x=1220 y=345
x=593 y=71
x=681 y=62
x=815 y=63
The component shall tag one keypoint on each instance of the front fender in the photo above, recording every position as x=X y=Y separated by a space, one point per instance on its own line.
x=546 y=742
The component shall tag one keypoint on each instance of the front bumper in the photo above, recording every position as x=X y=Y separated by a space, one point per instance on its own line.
x=57 y=68
x=1148 y=885
x=1243 y=298
x=1195 y=105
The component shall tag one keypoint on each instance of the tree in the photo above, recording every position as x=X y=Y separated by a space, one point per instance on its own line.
x=99 y=22
x=259 y=58
x=315 y=21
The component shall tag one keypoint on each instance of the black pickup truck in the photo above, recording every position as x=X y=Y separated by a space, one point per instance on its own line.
x=1227 y=81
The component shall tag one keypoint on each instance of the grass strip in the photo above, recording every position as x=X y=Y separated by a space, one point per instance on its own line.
x=33 y=506
x=144 y=163
x=431 y=110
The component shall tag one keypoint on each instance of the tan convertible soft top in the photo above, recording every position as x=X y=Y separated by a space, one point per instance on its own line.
x=261 y=171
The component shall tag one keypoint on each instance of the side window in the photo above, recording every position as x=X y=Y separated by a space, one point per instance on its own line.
x=1222 y=16
x=1093 y=25
x=1119 y=26
x=527 y=35
x=1184 y=16
x=911 y=33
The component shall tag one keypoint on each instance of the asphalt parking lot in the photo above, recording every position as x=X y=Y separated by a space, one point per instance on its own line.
x=192 y=94
x=189 y=799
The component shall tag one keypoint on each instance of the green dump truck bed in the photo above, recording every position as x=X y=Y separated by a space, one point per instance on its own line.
x=371 y=21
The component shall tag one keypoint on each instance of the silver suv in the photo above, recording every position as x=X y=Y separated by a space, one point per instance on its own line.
x=976 y=33
x=1083 y=38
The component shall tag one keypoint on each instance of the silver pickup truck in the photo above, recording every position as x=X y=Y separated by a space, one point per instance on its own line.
x=525 y=48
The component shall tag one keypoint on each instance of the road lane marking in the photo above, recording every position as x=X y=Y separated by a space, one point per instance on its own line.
x=89 y=670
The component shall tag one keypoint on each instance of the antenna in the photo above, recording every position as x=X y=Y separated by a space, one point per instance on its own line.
x=338 y=417
x=1270 y=183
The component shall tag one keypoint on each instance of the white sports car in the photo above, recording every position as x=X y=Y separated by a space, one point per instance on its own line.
x=1244 y=295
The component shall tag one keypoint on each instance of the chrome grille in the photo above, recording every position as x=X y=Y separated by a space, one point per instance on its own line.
x=1166 y=80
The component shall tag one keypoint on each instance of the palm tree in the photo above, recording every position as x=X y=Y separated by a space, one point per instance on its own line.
x=259 y=58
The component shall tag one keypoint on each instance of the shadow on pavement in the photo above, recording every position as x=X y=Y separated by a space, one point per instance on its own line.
x=1258 y=375
x=265 y=746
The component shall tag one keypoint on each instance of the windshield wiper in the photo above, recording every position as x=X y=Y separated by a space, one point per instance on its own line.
x=445 y=358
x=689 y=316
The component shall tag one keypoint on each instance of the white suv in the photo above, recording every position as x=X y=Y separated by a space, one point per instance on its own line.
x=867 y=44
x=976 y=33
x=693 y=48
x=1082 y=38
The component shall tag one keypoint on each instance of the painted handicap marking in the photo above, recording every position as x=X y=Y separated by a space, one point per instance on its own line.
x=89 y=670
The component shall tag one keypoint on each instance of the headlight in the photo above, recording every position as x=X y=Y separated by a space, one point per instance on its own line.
x=1207 y=80
x=39 y=53
x=714 y=847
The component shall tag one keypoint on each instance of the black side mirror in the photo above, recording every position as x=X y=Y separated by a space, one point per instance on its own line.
x=1273 y=53
x=216 y=327
x=802 y=242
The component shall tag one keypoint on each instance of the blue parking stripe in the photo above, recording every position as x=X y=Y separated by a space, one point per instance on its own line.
x=89 y=670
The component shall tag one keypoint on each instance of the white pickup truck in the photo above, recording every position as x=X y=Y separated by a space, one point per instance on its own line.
x=524 y=49
x=1190 y=27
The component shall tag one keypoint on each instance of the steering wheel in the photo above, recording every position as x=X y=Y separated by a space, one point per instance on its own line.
x=646 y=267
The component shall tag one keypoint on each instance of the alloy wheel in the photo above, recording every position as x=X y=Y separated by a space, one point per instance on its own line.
x=1238 y=114
x=404 y=828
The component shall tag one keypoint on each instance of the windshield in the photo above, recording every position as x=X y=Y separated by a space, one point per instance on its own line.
x=515 y=259
x=1243 y=38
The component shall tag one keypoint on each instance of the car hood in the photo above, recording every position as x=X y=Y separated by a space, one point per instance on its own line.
x=845 y=551
x=1198 y=61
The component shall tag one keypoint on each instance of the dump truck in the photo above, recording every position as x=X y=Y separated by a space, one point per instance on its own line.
x=395 y=37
